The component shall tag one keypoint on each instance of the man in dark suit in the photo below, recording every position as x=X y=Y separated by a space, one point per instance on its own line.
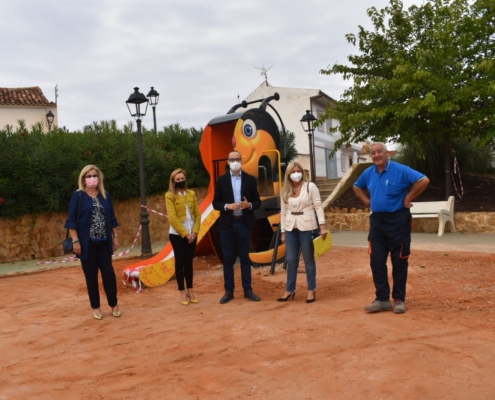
x=236 y=197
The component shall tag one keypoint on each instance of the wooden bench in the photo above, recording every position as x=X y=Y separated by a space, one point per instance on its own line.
x=443 y=210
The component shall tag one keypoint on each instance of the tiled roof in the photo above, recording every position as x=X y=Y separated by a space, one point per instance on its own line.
x=30 y=96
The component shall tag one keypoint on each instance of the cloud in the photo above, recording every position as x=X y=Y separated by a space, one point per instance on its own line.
x=198 y=55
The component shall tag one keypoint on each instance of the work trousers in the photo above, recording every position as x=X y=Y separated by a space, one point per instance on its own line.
x=390 y=233
x=99 y=258
x=183 y=254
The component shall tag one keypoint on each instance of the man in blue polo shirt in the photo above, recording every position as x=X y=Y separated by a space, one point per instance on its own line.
x=392 y=187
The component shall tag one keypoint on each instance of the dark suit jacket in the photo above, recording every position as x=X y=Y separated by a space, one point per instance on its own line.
x=85 y=212
x=224 y=194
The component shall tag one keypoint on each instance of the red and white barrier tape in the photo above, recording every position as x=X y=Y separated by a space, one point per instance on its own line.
x=123 y=253
x=456 y=167
x=132 y=245
x=74 y=258
x=130 y=277
x=154 y=211
x=64 y=260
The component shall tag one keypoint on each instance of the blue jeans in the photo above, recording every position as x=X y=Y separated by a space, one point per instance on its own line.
x=296 y=240
x=240 y=232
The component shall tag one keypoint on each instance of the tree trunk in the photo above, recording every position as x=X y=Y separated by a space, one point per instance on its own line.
x=449 y=190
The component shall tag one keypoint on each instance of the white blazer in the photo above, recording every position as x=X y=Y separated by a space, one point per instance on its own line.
x=309 y=202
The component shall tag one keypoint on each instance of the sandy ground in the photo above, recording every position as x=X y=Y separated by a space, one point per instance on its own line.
x=442 y=348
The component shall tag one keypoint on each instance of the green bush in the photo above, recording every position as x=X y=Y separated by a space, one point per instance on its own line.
x=39 y=171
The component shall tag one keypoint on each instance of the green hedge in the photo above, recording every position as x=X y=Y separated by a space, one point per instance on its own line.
x=39 y=171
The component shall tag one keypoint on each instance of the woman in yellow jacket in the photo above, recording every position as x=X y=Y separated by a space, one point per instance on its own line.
x=185 y=220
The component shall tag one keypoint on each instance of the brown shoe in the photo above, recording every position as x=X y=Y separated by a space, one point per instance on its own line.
x=399 y=307
x=378 y=306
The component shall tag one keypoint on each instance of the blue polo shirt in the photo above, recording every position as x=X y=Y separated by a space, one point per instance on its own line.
x=389 y=188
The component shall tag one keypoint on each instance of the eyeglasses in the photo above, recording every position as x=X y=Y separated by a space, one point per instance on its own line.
x=235 y=159
x=91 y=176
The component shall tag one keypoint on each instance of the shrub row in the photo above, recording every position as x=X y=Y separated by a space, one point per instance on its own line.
x=39 y=171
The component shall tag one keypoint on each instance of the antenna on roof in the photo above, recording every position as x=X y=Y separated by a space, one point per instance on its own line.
x=264 y=72
x=56 y=93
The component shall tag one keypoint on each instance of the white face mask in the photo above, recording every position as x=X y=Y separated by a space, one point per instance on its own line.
x=235 y=166
x=91 y=182
x=296 y=176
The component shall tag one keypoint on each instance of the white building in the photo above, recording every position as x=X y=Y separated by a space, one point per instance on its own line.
x=292 y=106
x=28 y=104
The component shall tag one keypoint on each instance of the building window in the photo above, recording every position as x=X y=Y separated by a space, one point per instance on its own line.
x=329 y=125
x=322 y=127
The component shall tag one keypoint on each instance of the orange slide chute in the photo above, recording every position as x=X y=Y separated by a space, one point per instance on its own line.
x=158 y=269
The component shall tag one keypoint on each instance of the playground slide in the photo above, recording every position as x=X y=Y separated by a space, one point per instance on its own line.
x=254 y=134
x=158 y=269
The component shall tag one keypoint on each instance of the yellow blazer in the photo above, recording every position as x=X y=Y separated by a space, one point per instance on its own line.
x=176 y=211
x=309 y=202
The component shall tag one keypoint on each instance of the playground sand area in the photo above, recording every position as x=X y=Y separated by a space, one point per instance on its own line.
x=442 y=348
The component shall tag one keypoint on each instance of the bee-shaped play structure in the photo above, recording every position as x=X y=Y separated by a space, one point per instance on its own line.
x=255 y=134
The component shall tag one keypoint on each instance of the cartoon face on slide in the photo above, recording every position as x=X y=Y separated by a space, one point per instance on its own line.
x=254 y=134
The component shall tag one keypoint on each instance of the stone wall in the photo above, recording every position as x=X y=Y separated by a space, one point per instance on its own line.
x=40 y=236
x=358 y=220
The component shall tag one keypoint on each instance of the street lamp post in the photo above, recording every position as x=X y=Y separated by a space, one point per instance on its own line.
x=153 y=96
x=140 y=102
x=308 y=120
x=49 y=120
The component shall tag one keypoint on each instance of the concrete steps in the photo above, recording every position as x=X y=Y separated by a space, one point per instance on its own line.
x=326 y=186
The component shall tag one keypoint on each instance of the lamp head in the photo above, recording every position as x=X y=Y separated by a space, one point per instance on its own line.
x=139 y=102
x=49 y=117
x=153 y=96
x=307 y=122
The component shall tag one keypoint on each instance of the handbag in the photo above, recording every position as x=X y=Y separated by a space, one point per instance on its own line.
x=67 y=244
x=318 y=233
x=320 y=246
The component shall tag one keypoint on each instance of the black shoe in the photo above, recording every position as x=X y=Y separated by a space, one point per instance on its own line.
x=291 y=294
x=313 y=299
x=251 y=296
x=227 y=297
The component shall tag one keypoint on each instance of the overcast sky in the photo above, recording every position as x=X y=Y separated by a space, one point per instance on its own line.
x=198 y=54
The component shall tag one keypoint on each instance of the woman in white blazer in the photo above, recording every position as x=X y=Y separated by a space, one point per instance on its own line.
x=299 y=201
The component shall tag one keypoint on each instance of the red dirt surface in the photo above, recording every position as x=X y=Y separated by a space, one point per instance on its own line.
x=442 y=348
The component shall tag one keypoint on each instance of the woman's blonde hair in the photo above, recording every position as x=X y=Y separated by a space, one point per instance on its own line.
x=288 y=185
x=171 y=185
x=82 y=184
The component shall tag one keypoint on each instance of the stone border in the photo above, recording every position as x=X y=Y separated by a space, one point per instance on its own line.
x=33 y=237
x=40 y=237
x=358 y=220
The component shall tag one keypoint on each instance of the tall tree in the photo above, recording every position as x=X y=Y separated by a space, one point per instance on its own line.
x=423 y=76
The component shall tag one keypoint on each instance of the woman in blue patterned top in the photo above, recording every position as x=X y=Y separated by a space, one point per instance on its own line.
x=93 y=228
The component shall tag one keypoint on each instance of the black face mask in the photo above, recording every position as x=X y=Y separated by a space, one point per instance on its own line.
x=180 y=185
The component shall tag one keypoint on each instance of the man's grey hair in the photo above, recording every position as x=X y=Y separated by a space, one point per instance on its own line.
x=379 y=144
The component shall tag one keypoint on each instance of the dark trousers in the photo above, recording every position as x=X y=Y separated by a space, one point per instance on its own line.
x=240 y=232
x=183 y=254
x=390 y=233
x=99 y=258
